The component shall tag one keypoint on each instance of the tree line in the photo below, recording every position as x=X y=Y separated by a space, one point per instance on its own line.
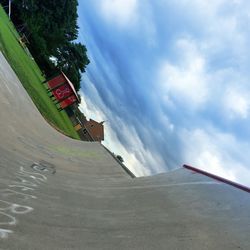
x=52 y=30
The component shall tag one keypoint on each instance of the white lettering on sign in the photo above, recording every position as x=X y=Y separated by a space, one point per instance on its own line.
x=63 y=92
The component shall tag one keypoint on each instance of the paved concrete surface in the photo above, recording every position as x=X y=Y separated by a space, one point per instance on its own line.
x=57 y=193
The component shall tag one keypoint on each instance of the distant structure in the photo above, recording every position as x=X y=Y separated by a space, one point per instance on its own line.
x=93 y=131
x=62 y=90
x=64 y=94
x=88 y=130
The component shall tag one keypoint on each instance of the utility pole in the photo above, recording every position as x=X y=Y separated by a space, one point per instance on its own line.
x=9 y=8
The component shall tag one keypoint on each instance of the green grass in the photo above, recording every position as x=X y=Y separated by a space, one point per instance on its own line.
x=31 y=76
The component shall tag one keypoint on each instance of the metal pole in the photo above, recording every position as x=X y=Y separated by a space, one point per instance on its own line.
x=9 y=8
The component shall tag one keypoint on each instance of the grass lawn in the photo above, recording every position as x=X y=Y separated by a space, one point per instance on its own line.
x=30 y=76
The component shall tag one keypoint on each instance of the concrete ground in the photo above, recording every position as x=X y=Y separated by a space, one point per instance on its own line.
x=57 y=193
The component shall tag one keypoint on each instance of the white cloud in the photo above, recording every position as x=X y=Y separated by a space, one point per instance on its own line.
x=236 y=104
x=166 y=123
x=130 y=160
x=90 y=110
x=218 y=153
x=203 y=62
x=185 y=81
x=223 y=25
x=137 y=158
x=134 y=15
x=119 y=12
x=211 y=72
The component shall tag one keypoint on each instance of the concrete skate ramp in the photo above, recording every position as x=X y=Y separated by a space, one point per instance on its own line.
x=58 y=193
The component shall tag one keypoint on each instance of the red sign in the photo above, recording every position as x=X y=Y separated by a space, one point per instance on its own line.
x=62 y=92
x=56 y=81
x=67 y=102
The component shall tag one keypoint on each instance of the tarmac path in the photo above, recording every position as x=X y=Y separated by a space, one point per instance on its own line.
x=59 y=193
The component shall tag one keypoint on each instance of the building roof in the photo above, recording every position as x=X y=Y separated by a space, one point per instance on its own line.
x=95 y=129
x=71 y=86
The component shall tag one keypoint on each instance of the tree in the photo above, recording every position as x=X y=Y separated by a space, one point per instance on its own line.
x=72 y=59
x=52 y=26
x=120 y=158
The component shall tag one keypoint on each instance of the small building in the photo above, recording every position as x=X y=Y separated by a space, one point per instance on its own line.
x=62 y=90
x=93 y=131
x=88 y=130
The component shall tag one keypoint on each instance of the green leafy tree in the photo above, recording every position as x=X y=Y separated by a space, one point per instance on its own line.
x=120 y=158
x=72 y=59
x=52 y=28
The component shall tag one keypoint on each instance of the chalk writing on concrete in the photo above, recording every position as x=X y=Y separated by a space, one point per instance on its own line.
x=4 y=233
x=26 y=181
x=44 y=167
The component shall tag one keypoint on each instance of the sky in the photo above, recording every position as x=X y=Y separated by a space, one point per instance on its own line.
x=171 y=80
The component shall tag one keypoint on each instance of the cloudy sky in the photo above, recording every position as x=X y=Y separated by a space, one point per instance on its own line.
x=172 y=81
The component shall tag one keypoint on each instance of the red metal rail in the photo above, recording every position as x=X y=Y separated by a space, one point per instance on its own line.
x=218 y=178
